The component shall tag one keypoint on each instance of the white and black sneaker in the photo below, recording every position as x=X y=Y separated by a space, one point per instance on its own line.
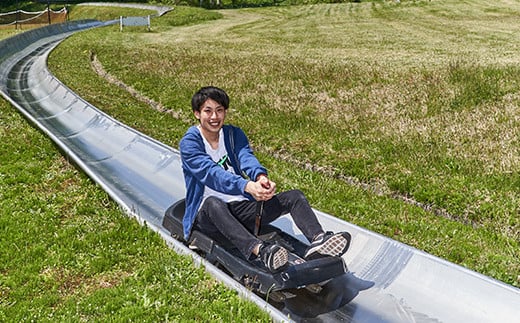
x=329 y=244
x=273 y=256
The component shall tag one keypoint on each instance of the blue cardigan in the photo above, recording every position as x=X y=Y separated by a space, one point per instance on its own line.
x=200 y=170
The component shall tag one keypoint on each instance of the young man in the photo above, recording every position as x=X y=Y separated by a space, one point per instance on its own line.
x=225 y=182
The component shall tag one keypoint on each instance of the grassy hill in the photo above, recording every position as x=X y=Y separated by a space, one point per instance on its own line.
x=399 y=117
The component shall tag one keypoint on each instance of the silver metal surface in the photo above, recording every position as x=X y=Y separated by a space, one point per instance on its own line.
x=389 y=281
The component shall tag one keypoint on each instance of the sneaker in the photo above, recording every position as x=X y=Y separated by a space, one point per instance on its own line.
x=274 y=256
x=329 y=244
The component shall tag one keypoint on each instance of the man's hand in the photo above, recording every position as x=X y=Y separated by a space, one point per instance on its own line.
x=261 y=190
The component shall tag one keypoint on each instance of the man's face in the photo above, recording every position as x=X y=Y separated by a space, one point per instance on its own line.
x=211 y=116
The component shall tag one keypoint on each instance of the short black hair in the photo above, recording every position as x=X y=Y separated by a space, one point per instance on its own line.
x=209 y=92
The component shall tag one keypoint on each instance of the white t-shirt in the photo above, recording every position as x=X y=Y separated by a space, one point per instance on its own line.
x=220 y=156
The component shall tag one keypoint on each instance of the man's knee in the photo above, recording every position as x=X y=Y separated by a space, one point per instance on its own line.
x=211 y=211
x=213 y=203
x=296 y=195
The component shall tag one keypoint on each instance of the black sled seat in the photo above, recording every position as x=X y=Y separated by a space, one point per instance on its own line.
x=300 y=273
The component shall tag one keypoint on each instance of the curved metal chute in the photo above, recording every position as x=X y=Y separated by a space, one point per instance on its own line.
x=388 y=281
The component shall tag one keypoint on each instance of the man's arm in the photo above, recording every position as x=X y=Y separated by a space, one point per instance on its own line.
x=247 y=159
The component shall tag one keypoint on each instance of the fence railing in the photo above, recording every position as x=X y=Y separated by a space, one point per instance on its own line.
x=19 y=18
x=134 y=21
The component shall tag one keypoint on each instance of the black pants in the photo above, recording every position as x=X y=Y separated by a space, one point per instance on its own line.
x=236 y=220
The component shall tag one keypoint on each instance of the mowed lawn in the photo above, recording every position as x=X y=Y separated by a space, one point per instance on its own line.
x=401 y=118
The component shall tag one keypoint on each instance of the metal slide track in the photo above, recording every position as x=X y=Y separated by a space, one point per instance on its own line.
x=389 y=281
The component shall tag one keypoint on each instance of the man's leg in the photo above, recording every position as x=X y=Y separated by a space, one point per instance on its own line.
x=215 y=216
x=295 y=203
x=322 y=243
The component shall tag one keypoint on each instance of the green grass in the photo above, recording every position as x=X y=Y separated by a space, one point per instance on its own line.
x=105 y=13
x=363 y=106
